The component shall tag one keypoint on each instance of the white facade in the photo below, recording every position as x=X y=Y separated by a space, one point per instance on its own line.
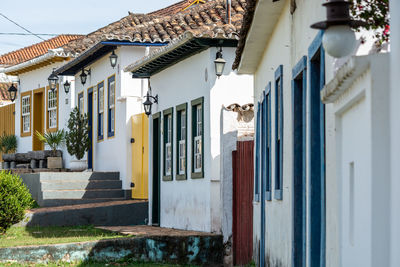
x=113 y=153
x=359 y=94
x=37 y=79
x=286 y=41
x=196 y=204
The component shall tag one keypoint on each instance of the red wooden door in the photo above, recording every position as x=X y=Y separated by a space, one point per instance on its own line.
x=242 y=228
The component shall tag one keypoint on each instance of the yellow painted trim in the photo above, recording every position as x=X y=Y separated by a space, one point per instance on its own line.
x=115 y=109
x=50 y=130
x=38 y=91
x=30 y=112
x=97 y=117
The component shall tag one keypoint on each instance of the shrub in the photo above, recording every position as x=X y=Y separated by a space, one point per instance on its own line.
x=14 y=200
x=8 y=143
x=77 y=138
x=52 y=139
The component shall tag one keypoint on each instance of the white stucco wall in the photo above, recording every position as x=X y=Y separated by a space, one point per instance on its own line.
x=363 y=149
x=37 y=79
x=395 y=132
x=114 y=154
x=195 y=204
x=289 y=42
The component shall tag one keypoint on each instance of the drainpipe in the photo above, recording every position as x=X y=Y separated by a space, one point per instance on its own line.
x=228 y=11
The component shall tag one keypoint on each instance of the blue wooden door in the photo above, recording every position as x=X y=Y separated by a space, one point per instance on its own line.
x=90 y=122
x=317 y=154
x=299 y=90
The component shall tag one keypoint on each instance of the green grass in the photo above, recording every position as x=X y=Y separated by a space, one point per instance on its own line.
x=89 y=264
x=24 y=236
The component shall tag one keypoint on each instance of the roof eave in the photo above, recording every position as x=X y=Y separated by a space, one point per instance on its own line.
x=94 y=53
x=186 y=46
x=55 y=55
x=266 y=16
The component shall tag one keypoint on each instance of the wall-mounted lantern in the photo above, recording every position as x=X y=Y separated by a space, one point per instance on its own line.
x=219 y=63
x=150 y=100
x=12 y=91
x=53 y=80
x=84 y=75
x=113 y=59
x=67 y=86
x=339 y=39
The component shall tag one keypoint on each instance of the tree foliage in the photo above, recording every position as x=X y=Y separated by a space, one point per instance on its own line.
x=376 y=14
x=77 y=137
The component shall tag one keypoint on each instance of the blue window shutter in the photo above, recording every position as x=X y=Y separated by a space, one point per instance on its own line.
x=279 y=133
x=267 y=120
x=257 y=161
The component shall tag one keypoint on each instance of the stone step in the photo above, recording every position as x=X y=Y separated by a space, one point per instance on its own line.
x=81 y=201
x=115 y=213
x=81 y=185
x=77 y=194
x=81 y=176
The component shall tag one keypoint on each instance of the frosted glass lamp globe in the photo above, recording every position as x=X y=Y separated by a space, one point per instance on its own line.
x=339 y=41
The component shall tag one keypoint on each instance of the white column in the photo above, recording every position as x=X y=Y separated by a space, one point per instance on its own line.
x=395 y=132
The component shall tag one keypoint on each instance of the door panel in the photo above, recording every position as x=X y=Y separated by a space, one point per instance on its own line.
x=156 y=170
x=140 y=156
x=90 y=123
x=38 y=118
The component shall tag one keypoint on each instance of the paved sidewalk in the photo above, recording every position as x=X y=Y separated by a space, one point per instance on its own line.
x=145 y=230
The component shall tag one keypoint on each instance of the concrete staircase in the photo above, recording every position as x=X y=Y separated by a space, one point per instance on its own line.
x=52 y=189
x=82 y=198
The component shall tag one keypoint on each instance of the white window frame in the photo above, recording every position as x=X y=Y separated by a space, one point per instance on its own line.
x=111 y=106
x=52 y=108
x=198 y=153
x=26 y=113
x=182 y=144
x=168 y=146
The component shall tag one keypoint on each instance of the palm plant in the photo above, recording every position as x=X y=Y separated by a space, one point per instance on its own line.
x=52 y=139
x=8 y=143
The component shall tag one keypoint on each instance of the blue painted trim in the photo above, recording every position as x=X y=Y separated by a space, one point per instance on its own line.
x=278 y=194
x=315 y=45
x=257 y=157
x=317 y=233
x=299 y=200
x=100 y=117
x=263 y=195
x=299 y=67
x=267 y=114
x=132 y=43
x=109 y=80
x=279 y=72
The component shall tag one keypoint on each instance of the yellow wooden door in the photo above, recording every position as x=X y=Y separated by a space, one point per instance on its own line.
x=140 y=156
x=7 y=121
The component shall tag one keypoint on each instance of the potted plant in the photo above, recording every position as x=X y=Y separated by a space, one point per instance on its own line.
x=8 y=144
x=53 y=140
x=77 y=139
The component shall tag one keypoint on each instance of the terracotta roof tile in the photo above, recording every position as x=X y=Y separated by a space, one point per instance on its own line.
x=206 y=19
x=4 y=96
x=33 y=51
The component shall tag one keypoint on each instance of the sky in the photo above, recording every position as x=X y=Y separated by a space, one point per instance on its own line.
x=62 y=17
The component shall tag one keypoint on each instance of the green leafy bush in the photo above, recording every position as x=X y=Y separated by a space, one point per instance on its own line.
x=14 y=200
x=8 y=143
x=52 y=139
x=77 y=138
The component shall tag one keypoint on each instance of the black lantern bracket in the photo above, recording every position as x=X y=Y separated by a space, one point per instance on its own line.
x=338 y=13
